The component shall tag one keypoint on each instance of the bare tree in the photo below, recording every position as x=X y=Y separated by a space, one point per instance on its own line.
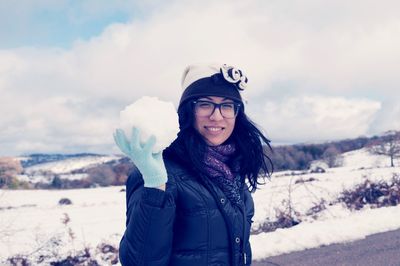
x=9 y=169
x=388 y=145
x=102 y=175
x=332 y=156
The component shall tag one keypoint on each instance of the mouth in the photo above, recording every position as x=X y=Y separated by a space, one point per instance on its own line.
x=214 y=129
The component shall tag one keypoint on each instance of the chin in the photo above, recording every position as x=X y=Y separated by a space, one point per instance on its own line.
x=215 y=142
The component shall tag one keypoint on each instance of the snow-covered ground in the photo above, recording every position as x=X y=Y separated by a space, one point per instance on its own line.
x=29 y=219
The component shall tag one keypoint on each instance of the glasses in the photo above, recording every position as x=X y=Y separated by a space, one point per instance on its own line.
x=207 y=108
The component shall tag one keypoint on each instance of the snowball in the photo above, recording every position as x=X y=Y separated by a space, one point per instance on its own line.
x=153 y=117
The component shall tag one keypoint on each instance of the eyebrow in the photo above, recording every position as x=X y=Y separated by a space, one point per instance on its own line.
x=208 y=98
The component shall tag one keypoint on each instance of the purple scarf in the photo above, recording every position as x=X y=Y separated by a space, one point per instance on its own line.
x=218 y=166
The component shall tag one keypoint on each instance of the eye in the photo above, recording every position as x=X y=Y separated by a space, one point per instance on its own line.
x=204 y=105
x=228 y=106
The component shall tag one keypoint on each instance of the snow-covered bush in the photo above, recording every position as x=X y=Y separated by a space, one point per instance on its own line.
x=282 y=220
x=64 y=201
x=318 y=166
x=59 y=250
x=104 y=254
x=302 y=181
x=375 y=194
x=286 y=218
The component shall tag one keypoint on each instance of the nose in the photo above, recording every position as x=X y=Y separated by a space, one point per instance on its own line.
x=216 y=115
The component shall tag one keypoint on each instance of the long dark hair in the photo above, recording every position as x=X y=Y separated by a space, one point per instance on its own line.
x=251 y=146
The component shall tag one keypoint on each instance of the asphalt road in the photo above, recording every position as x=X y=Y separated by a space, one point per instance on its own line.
x=375 y=250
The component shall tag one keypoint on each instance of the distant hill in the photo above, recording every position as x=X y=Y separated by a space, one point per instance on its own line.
x=300 y=156
x=39 y=158
x=64 y=164
x=68 y=171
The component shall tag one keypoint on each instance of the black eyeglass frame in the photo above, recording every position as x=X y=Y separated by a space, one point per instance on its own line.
x=218 y=105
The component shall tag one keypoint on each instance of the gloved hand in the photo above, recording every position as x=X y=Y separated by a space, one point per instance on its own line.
x=151 y=165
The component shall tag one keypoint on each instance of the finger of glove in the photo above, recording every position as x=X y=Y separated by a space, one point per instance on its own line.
x=148 y=146
x=122 y=141
x=158 y=156
x=116 y=140
x=135 y=140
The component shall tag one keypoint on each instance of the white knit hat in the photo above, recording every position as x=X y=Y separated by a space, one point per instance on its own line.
x=212 y=80
x=198 y=71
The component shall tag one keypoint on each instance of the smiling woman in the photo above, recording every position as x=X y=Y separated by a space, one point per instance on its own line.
x=191 y=204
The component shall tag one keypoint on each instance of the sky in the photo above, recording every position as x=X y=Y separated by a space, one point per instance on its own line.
x=318 y=70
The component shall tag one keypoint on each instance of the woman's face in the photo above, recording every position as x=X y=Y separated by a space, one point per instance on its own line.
x=214 y=128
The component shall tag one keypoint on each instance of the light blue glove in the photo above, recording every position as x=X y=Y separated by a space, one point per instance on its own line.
x=151 y=165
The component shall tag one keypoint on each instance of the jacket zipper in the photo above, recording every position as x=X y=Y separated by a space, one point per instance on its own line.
x=226 y=218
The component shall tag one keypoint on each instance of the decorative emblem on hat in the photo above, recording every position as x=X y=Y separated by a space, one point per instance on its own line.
x=234 y=75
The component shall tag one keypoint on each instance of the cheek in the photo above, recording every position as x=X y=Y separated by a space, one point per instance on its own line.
x=231 y=126
x=198 y=125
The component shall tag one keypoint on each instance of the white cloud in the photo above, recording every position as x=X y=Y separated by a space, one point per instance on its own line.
x=318 y=118
x=388 y=118
x=337 y=50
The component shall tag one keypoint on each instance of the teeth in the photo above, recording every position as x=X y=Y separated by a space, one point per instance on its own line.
x=214 y=128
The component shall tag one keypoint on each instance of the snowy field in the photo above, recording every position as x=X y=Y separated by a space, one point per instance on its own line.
x=30 y=219
x=335 y=224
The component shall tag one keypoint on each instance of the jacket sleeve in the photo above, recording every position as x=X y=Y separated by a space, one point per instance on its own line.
x=149 y=224
x=249 y=206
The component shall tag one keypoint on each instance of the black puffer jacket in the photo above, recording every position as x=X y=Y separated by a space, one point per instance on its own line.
x=192 y=223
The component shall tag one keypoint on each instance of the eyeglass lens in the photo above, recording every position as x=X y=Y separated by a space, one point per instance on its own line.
x=206 y=108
